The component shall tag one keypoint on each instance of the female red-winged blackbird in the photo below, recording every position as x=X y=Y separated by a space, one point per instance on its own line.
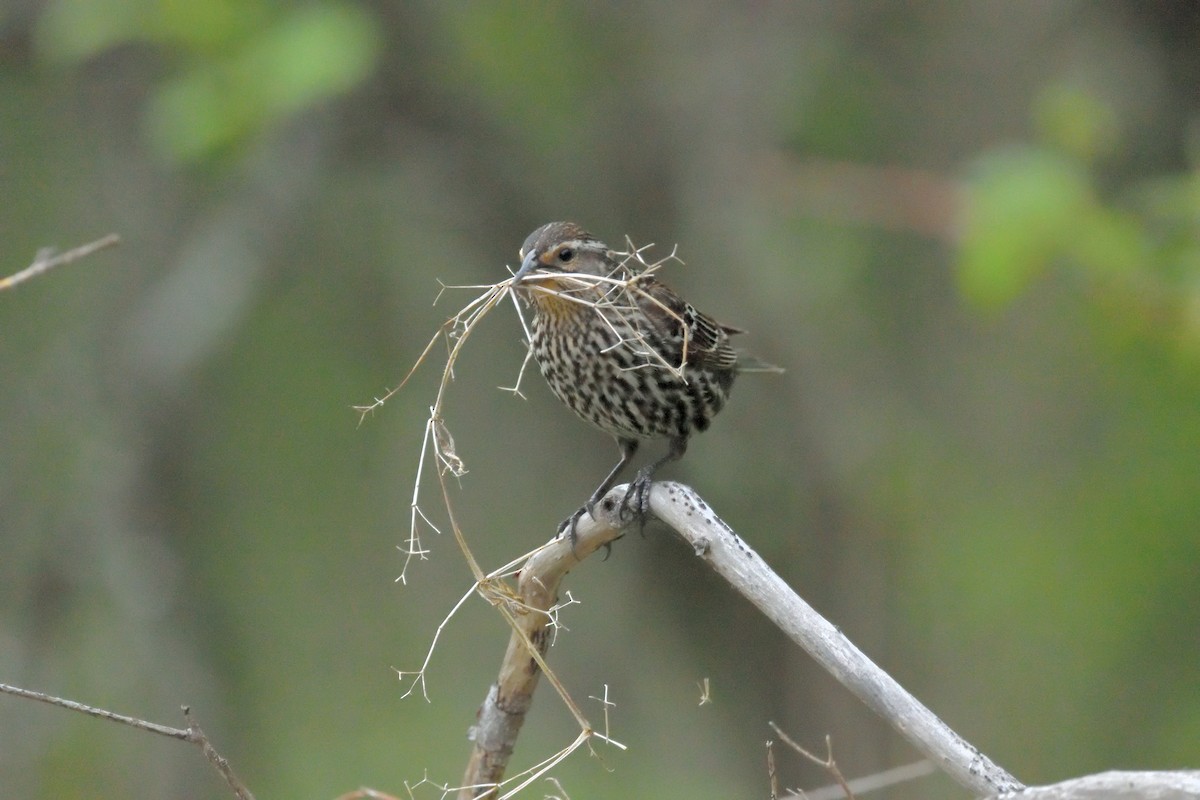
x=622 y=350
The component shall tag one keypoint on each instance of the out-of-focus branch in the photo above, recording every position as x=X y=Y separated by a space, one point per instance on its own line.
x=890 y=198
x=192 y=733
x=47 y=260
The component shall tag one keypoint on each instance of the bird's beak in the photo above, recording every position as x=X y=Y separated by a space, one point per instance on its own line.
x=527 y=266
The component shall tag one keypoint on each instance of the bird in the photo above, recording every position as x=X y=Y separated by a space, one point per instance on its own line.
x=623 y=351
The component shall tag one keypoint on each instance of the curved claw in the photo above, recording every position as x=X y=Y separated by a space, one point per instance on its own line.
x=639 y=493
x=570 y=526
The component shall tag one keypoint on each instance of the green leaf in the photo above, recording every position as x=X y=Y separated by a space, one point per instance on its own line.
x=1075 y=122
x=1022 y=207
x=306 y=57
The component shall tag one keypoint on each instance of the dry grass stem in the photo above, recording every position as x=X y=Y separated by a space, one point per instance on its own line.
x=418 y=676
x=524 y=778
x=618 y=300
x=494 y=589
x=562 y=795
x=532 y=621
x=605 y=704
x=442 y=788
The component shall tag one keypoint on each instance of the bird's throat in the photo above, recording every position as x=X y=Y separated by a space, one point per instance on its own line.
x=563 y=297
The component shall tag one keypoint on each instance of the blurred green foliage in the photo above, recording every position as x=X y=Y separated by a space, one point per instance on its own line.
x=1036 y=208
x=240 y=67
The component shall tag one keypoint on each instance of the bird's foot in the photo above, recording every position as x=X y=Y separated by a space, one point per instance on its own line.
x=636 y=502
x=569 y=527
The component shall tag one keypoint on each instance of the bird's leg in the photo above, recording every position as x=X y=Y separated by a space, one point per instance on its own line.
x=639 y=487
x=568 y=525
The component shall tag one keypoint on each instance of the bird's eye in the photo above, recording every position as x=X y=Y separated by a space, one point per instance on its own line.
x=566 y=254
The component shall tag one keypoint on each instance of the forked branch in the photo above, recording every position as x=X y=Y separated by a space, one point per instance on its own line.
x=682 y=510
x=192 y=733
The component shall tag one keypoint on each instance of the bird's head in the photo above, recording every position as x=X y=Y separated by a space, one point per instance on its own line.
x=563 y=247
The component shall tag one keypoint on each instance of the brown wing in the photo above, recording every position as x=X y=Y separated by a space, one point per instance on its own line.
x=707 y=340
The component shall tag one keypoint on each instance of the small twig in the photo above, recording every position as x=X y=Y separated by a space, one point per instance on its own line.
x=46 y=260
x=772 y=775
x=524 y=779
x=871 y=783
x=192 y=733
x=364 y=410
x=617 y=302
x=425 y=779
x=216 y=759
x=99 y=713
x=827 y=763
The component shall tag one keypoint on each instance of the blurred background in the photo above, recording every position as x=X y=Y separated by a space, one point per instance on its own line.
x=969 y=231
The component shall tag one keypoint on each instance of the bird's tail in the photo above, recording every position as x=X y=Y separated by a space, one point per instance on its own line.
x=749 y=363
